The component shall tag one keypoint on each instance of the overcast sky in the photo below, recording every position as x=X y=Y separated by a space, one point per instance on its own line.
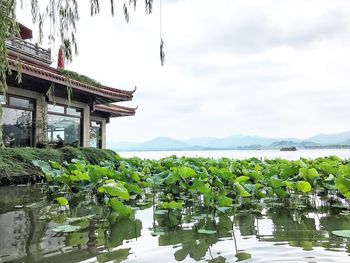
x=257 y=67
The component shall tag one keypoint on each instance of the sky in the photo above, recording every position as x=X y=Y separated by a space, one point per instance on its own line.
x=258 y=67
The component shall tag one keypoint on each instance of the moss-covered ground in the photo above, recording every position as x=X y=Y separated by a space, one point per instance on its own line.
x=16 y=163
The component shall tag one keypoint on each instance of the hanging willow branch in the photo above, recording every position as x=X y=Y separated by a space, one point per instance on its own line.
x=162 y=54
x=19 y=71
x=2 y=145
x=50 y=94
x=126 y=13
x=95 y=7
x=9 y=28
x=149 y=6
x=63 y=16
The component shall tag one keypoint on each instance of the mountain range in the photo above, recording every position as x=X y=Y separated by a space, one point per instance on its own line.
x=232 y=142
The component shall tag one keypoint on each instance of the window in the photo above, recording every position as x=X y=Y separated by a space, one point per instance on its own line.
x=64 y=126
x=17 y=121
x=2 y=100
x=20 y=102
x=95 y=134
x=55 y=108
x=74 y=111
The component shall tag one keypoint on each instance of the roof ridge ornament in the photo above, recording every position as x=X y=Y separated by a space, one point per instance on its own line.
x=132 y=92
x=60 y=59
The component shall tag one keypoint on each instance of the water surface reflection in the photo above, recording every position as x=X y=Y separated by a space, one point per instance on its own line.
x=34 y=229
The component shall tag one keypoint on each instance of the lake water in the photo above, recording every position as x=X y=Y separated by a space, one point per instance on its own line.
x=243 y=154
x=252 y=232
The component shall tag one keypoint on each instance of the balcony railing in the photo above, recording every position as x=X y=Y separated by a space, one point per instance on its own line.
x=25 y=48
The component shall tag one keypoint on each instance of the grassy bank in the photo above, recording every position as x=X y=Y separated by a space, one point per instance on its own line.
x=16 y=163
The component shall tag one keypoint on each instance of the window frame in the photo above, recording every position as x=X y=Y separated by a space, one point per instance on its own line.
x=99 y=143
x=65 y=114
x=32 y=110
x=65 y=111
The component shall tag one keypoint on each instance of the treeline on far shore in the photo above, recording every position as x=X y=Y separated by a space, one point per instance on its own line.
x=331 y=146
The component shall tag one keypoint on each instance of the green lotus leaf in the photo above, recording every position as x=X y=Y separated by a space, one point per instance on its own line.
x=342 y=233
x=114 y=256
x=120 y=208
x=62 y=201
x=115 y=190
x=66 y=228
x=171 y=205
x=186 y=172
x=157 y=179
x=242 y=178
x=240 y=190
x=304 y=186
x=343 y=185
x=133 y=188
x=243 y=256
x=205 y=231
x=225 y=201
x=280 y=192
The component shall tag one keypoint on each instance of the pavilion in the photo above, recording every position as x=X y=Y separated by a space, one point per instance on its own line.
x=51 y=106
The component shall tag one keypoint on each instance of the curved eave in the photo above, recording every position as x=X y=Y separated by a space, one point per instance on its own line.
x=115 y=110
x=50 y=74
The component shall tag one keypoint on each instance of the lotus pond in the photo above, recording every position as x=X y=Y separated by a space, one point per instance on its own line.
x=180 y=210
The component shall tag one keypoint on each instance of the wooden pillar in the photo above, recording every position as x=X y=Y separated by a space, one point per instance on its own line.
x=103 y=133
x=86 y=126
x=40 y=121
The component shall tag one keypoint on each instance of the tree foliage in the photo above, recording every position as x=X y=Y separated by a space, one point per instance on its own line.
x=8 y=27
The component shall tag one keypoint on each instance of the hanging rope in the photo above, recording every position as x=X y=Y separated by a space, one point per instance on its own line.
x=162 y=54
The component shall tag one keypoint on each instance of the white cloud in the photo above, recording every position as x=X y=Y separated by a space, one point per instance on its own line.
x=266 y=67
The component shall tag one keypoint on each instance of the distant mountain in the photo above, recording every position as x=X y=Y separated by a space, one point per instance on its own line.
x=231 y=141
x=157 y=144
x=121 y=145
x=162 y=143
x=347 y=142
x=301 y=144
x=203 y=141
x=334 y=138
x=236 y=141
x=280 y=144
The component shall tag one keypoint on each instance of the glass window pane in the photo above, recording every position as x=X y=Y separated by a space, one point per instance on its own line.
x=17 y=127
x=74 y=112
x=95 y=134
x=55 y=108
x=63 y=130
x=95 y=124
x=21 y=102
x=2 y=100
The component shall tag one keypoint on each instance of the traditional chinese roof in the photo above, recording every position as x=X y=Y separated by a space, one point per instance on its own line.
x=25 y=32
x=103 y=94
x=115 y=110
